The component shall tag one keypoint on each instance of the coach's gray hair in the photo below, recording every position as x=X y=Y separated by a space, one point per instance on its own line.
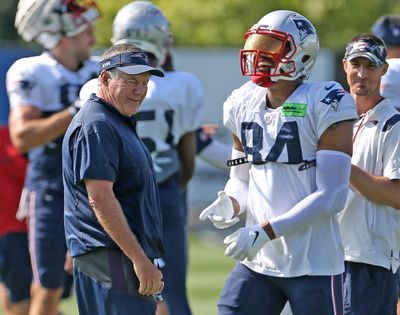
x=115 y=50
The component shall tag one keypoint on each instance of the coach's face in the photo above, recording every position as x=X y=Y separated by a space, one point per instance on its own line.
x=126 y=91
x=363 y=76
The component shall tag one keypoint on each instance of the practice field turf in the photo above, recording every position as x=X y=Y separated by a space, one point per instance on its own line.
x=208 y=268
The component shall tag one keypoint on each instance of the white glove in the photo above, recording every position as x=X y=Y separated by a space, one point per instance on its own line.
x=246 y=242
x=220 y=212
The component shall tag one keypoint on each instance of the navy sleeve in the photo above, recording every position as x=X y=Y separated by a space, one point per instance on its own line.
x=95 y=153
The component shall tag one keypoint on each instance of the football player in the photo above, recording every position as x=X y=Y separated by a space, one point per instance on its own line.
x=291 y=162
x=387 y=27
x=15 y=267
x=42 y=90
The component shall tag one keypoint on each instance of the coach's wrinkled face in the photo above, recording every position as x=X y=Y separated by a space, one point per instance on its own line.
x=124 y=91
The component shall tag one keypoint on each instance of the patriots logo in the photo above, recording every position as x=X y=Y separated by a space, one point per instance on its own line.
x=141 y=55
x=333 y=98
x=25 y=85
x=304 y=27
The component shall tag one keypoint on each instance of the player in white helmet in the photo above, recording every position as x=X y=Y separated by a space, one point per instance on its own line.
x=166 y=122
x=291 y=163
x=387 y=27
x=42 y=90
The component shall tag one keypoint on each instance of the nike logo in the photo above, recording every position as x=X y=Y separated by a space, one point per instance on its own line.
x=255 y=238
x=329 y=87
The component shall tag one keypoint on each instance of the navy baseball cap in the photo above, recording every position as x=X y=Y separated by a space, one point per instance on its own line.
x=368 y=48
x=130 y=63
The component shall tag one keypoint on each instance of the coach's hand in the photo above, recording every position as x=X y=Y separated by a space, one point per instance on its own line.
x=220 y=212
x=150 y=277
x=246 y=242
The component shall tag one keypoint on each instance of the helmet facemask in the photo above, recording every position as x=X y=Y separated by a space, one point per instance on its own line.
x=266 y=56
x=46 y=21
x=75 y=14
x=288 y=40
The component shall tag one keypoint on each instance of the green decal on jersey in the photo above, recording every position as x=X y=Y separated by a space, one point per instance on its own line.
x=294 y=109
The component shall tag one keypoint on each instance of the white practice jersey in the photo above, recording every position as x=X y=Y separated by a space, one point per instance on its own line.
x=390 y=84
x=281 y=144
x=42 y=82
x=370 y=231
x=171 y=108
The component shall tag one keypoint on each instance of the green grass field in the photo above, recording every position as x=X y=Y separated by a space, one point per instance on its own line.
x=208 y=268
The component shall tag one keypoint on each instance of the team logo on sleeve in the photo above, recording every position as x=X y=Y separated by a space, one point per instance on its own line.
x=24 y=86
x=333 y=98
x=304 y=27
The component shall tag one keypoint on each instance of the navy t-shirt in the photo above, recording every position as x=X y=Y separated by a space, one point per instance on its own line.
x=100 y=143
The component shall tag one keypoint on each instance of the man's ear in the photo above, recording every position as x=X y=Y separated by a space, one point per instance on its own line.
x=385 y=68
x=104 y=77
x=344 y=63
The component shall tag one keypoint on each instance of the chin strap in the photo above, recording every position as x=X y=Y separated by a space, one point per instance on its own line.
x=261 y=80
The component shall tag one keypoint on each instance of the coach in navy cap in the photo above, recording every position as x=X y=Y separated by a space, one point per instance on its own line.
x=112 y=212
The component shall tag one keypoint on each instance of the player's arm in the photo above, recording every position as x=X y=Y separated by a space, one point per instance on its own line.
x=232 y=201
x=378 y=189
x=110 y=215
x=210 y=149
x=187 y=154
x=333 y=167
x=29 y=129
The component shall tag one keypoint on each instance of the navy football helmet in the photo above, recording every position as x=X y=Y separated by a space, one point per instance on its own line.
x=387 y=27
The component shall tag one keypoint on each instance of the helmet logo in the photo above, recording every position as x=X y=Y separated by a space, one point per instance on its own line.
x=304 y=27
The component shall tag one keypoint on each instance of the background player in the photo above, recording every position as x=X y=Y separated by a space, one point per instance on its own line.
x=15 y=266
x=42 y=90
x=387 y=27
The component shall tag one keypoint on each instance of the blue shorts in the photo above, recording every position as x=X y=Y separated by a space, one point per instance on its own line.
x=398 y=282
x=105 y=284
x=15 y=266
x=249 y=292
x=47 y=244
x=369 y=290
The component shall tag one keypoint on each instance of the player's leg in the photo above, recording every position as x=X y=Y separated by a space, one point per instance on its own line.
x=314 y=295
x=47 y=249
x=248 y=292
x=15 y=274
x=369 y=290
x=398 y=291
x=175 y=244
